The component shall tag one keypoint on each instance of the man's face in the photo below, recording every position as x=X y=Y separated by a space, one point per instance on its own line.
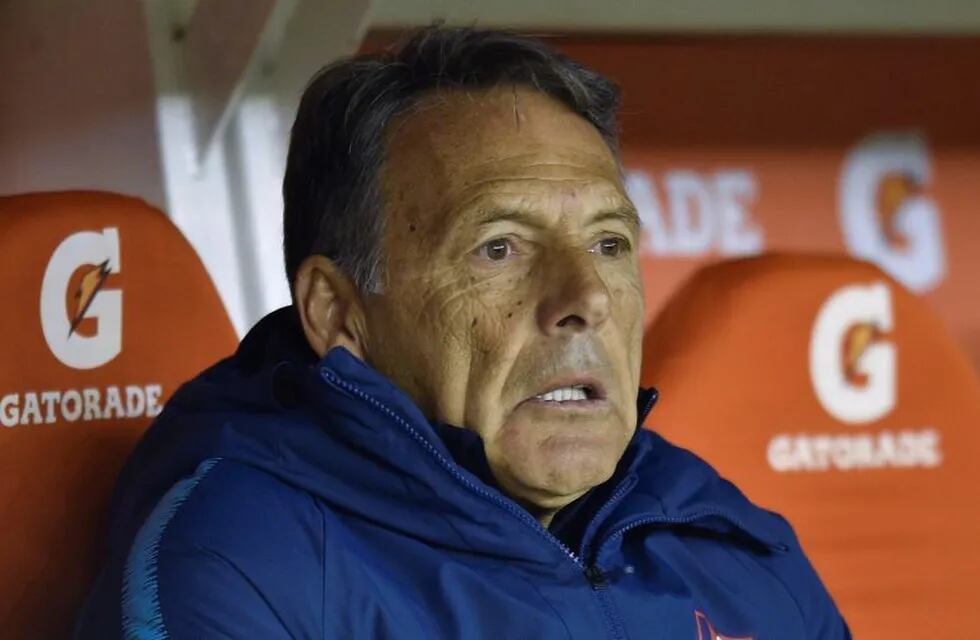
x=512 y=303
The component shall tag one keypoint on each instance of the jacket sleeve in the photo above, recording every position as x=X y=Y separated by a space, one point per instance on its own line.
x=227 y=553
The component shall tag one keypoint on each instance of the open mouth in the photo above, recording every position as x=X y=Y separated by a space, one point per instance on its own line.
x=576 y=392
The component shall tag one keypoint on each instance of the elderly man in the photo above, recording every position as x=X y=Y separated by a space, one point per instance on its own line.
x=439 y=438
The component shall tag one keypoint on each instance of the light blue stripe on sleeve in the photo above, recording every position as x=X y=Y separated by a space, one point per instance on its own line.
x=142 y=618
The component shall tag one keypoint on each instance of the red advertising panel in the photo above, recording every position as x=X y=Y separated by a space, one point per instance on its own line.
x=869 y=146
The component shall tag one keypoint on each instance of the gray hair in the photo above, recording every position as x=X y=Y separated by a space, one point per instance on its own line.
x=331 y=189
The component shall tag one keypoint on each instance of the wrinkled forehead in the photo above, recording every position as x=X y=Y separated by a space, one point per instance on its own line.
x=502 y=143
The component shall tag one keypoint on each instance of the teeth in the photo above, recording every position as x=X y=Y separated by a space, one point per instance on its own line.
x=565 y=394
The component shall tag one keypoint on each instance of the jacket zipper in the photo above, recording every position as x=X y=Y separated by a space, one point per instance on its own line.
x=593 y=573
x=449 y=466
x=597 y=580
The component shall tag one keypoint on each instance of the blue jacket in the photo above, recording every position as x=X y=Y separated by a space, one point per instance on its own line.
x=282 y=497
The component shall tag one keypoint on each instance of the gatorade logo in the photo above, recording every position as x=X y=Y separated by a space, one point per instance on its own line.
x=852 y=364
x=886 y=216
x=854 y=373
x=96 y=255
x=81 y=319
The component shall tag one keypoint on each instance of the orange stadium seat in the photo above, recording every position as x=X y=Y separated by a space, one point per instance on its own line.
x=106 y=310
x=832 y=395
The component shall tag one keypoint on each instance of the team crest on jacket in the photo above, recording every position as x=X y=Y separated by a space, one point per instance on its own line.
x=706 y=631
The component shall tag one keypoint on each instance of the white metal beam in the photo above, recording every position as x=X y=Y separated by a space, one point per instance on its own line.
x=227 y=201
x=218 y=45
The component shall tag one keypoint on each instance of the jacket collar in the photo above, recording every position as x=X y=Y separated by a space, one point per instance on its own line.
x=381 y=446
x=675 y=488
x=659 y=484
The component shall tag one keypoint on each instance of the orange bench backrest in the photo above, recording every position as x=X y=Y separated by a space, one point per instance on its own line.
x=106 y=309
x=829 y=393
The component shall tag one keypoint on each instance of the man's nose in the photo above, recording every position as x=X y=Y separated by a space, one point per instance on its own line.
x=575 y=297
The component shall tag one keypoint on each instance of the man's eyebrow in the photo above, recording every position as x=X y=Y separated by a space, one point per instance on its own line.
x=626 y=214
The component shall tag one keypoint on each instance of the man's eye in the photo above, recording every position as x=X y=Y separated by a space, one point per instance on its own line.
x=496 y=250
x=611 y=247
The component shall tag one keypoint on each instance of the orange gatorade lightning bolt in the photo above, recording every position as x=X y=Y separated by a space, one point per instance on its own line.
x=893 y=191
x=90 y=285
x=855 y=343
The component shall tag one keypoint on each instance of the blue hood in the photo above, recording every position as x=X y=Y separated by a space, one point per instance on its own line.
x=337 y=431
x=314 y=424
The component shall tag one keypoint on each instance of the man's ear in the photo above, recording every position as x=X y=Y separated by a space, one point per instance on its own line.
x=329 y=307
